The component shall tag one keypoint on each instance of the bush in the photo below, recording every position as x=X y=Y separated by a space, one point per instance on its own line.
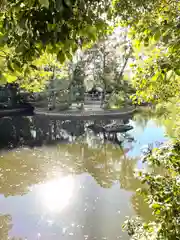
x=116 y=100
x=162 y=193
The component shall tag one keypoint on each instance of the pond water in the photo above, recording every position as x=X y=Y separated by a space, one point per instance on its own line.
x=71 y=183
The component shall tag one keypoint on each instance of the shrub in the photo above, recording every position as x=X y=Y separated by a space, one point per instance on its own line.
x=162 y=193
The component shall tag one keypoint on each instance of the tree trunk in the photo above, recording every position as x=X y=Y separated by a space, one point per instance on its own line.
x=104 y=81
x=53 y=94
x=124 y=65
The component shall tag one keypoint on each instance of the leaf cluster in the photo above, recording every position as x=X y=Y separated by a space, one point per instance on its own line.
x=31 y=27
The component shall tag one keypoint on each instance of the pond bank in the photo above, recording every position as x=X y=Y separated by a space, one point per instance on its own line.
x=71 y=113
x=19 y=111
x=87 y=114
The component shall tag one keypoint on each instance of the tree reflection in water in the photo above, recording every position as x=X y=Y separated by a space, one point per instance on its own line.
x=129 y=182
x=23 y=168
x=5 y=226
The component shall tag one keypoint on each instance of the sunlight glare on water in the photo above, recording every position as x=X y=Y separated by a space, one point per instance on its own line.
x=56 y=194
x=52 y=188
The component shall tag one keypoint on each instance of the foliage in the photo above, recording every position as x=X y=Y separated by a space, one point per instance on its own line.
x=116 y=100
x=34 y=30
x=31 y=76
x=154 y=28
x=170 y=117
x=30 y=27
x=108 y=59
x=138 y=231
x=162 y=194
x=77 y=83
x=104 y=65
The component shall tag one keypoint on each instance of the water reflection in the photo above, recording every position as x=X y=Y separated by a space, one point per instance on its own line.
x=57 y=187
x=38 y=131
x=5 y=226
x=56 y=194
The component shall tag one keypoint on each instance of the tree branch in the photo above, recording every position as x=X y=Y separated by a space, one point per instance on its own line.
x=124 y=65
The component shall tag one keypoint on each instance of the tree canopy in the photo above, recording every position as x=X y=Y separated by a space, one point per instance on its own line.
x=33 y=26
x=57 y=28
x=30 y=28
x=154 y=27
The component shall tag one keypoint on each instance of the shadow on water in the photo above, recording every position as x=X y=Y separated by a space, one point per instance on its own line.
x=38 y=131
x=35 y=131
x=50 y=162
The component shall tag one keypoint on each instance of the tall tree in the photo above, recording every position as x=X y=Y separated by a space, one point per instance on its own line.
x=105 y=62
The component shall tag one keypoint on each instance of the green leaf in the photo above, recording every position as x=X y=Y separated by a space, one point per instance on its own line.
x=33 y=67
x=20 y=48
x=26 y=71
x=10 y=78
x=146 y=226
x=156 y=206
x=91 y=31
x=157 y=212
x=166 y=38
x=146 y=42
x=51 y=27
x=61 y=56
x=9 y=65
x=157 y=35
x=44 y=3
x=16 y=64
x=68 y=55
x=74 y=48
x=177 y=71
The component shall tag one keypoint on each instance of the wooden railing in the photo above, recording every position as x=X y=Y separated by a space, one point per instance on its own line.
x=91 y=97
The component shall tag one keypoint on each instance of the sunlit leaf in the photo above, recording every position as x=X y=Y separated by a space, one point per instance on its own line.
x=68 y=55
x=10 y=78
x=157 y=35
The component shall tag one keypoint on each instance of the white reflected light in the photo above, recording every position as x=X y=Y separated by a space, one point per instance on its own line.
x=56 y=194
